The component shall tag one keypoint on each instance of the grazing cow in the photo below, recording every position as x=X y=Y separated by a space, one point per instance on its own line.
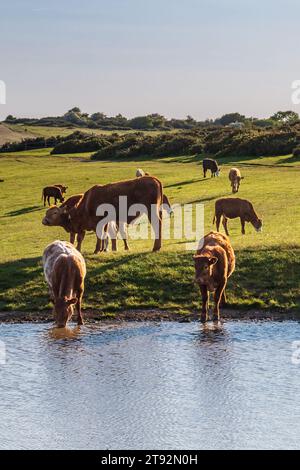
x=146 y=191
x=62 y=188
x=212 y=165
x=64 y=270
x=235 y=178
x=52 y=191
x=231 y=208
x=214 y=264
x=139 y=173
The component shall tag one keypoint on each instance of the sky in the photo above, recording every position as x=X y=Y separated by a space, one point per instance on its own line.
x=174 y=57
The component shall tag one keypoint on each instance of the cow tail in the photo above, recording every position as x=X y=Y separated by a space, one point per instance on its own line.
x=42 y=194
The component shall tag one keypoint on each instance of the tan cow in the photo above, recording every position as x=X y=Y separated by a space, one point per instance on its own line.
x=231 y=208
x=214 y=264
x=64 y=270
x=235 y=178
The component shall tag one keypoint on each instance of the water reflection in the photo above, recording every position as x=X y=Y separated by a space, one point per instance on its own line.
x=142 y=385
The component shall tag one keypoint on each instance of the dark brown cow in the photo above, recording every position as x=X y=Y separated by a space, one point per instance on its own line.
x=212 y=165
x=231 y=208
x=65 y=270
x=235 y=179
x=62 y=188
x=146 y=191
x=52 y=191
x=214 y=264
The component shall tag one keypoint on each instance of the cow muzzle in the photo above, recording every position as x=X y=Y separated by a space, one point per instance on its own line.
x=45 y=221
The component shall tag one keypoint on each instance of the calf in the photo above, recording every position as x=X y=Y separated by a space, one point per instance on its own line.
x=231 y=208
x=62 y=188
x=214 y=264
x=52 y=191
x=235 y=178
x=212 y=165
x=64 y=270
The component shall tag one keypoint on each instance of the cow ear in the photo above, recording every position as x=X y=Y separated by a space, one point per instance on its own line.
x=213 y=260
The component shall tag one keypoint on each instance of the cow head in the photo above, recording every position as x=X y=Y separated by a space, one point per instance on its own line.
x=203 y=268
x=258 y=223
x=64 y=189
x=55 y=216
x=63 y=307
x=218 y=171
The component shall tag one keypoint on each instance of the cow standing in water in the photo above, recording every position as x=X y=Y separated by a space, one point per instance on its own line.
x=212 y=165
x=214 y=264
x=65 y=270
x=235 y=179
x=231 y=208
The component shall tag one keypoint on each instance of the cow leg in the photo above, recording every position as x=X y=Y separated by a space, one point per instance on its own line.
x=48 y=200
x=224 y=222
x=205 y=298
x=243 y=226
x=80 y=238
x=72 y=237
x=218 y=297
x=44 y=200
x=78 y=308
x=155 y=220
x=223 y=302
x=99 y=246
x=218 y=221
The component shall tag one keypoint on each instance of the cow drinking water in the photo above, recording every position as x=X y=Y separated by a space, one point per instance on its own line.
x=65 y=270
x=214 y=264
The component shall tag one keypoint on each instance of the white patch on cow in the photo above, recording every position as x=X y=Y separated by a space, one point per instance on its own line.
x=53 y=252
x=139 y=173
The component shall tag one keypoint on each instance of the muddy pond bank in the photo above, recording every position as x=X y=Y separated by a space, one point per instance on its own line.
x=92 y=316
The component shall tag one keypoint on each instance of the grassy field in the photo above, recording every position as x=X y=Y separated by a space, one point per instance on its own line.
x=268 y=264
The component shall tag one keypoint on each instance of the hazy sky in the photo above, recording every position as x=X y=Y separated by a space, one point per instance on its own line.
x=174 y=57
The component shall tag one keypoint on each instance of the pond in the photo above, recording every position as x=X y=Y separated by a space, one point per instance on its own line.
x=150 y=386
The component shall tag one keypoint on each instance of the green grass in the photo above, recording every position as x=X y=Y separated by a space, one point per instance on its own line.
x=268 y=264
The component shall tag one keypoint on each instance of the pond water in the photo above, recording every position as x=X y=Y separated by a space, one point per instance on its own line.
x=150 y=386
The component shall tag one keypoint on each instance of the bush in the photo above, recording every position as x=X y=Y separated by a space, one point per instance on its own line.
x=296 y=152
x=78 y=146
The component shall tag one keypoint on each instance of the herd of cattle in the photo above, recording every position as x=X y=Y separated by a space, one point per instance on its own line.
x=64 y=266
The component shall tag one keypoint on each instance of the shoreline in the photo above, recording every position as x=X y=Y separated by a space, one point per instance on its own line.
x=94 y=316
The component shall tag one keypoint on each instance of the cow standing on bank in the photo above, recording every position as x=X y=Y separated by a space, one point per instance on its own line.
x=64 y=270
x=212 y=165
x=214 y=264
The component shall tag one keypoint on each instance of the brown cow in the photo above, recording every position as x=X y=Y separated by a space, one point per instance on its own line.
x=214 y=264
x=146 y=191
x=65 y=270
x=231 y=208
x=62 y=188
x=235 y=178
x=52 y=191
x=54 y=218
